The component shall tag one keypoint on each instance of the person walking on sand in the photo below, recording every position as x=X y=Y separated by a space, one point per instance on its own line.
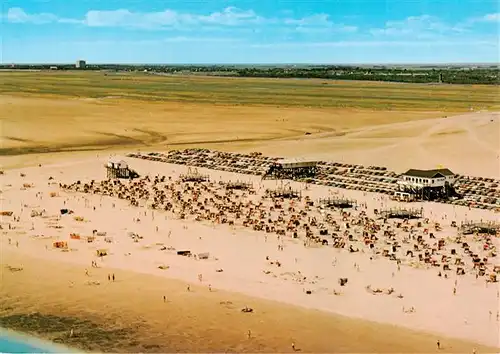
x=113 y=277
x=109 y=277
x=249 y=334
x=209 y=287
x=438 y=344
x=188 y=288
x=293 y=346
x=164 y=298
x=86 y=272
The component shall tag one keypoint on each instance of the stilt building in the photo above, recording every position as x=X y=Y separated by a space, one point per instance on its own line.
x=117 y=168
x=428 y=184
x=291 y=169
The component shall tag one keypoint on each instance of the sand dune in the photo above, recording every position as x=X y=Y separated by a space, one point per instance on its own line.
x=466 y=143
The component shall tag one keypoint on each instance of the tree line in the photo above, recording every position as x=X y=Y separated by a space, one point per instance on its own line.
x=449 y=75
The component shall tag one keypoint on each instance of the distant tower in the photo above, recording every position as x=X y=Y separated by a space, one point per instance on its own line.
x=80 y=64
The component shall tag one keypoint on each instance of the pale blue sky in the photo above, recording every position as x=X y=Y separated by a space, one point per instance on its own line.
x=244 y=31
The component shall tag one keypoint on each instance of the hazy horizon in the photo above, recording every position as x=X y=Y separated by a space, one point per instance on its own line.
x=260 y=64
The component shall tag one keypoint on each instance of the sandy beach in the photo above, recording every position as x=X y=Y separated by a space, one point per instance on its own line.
x=250 y=176
x=404 y=306
x=161 y=264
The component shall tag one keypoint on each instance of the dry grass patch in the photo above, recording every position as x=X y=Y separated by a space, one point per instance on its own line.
x=250 y=91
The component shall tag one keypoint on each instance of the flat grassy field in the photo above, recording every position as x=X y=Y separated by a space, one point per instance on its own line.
x=250 y=91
